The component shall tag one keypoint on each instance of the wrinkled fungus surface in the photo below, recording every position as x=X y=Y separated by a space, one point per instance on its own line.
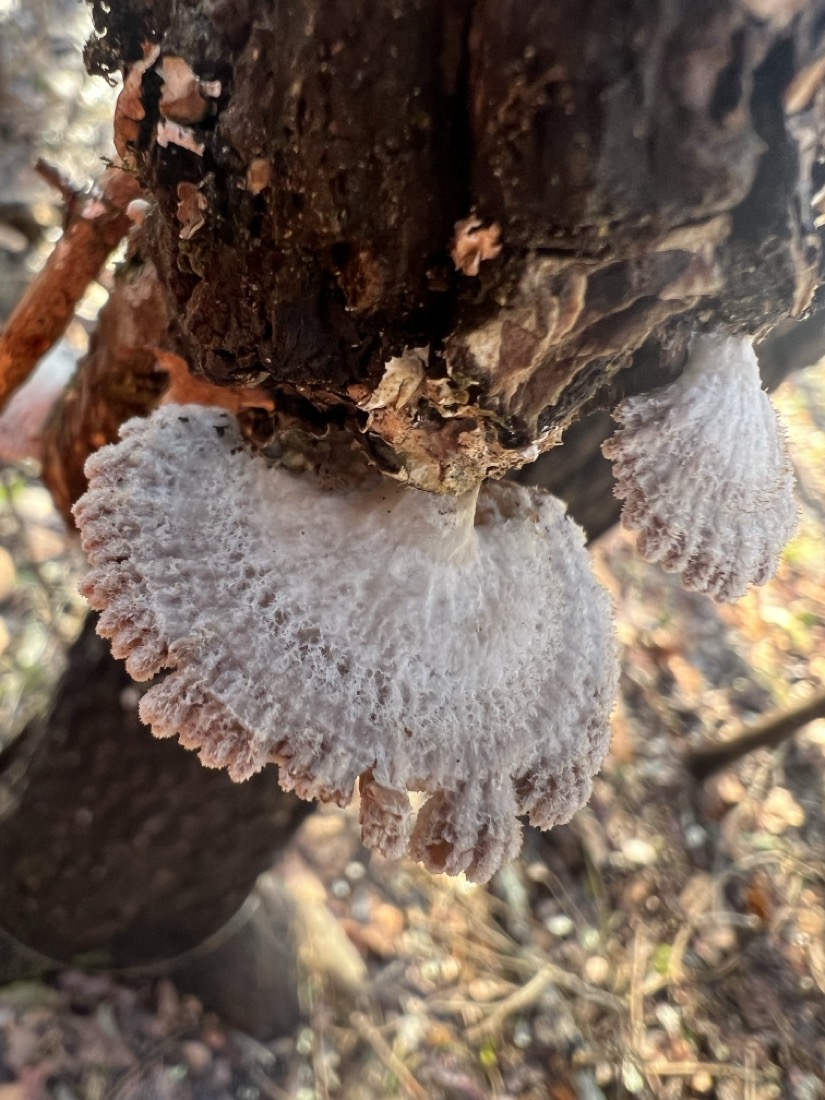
x=457 y=647
x=704 y=472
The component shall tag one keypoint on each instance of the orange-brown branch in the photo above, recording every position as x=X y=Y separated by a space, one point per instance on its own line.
x=115 y=380
x=94 y=228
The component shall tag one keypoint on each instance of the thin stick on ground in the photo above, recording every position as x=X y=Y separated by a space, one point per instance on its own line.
x=690 y=1069
x=96 y=224
x=370 y=1034
x=705 y=760
x=527 y=995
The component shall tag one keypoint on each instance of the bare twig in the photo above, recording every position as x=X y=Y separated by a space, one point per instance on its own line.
x=528 y=994
x=637 y=994
x=94 y=228
x=68 y=191
x=705 y=760
x=370 y=1034
x=690 y=1069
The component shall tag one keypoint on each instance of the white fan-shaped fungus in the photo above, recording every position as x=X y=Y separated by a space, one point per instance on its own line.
x=455 y=647
x=704 y=472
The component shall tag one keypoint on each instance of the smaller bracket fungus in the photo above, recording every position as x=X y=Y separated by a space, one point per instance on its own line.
x=459 y=647
x=703 y=470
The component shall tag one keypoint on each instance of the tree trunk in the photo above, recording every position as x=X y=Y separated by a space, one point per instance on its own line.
x=538 y=194
x=119 y=850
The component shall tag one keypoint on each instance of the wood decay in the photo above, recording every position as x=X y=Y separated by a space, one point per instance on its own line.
x=529 y=214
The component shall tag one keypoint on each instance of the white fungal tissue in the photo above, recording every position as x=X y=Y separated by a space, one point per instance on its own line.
x=704 y=472
x=456 y=647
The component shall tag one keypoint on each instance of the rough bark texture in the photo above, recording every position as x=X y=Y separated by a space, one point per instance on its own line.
x=118 y=849
x=651 y=167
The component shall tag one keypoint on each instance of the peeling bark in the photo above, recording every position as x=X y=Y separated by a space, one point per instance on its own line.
x=116 y=379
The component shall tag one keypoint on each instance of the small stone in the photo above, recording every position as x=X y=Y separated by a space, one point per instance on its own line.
x=587 y=1086
x=639 y=852
x=669 y=1018
x=197 y=1055
x=450 y=969
x=597 y=970
x=559 y=925
x=303 y=1044
x=590 y=938
x=8 y=574
x=44 y=544
x=701 y=1082
x=779 y=811
x=522 y=1035
x=695 y=836
x=604 y=1073
x=485 y=990
x=34 y=503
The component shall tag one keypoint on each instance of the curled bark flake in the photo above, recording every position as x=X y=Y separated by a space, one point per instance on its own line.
x=473 y=243
x=129 y=109
x=185 y=98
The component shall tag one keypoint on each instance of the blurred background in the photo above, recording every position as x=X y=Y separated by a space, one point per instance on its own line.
x=669 y=942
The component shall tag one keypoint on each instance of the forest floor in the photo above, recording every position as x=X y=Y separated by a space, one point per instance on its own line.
x=668 y=943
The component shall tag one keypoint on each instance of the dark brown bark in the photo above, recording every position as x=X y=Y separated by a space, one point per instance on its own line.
x=650 y=166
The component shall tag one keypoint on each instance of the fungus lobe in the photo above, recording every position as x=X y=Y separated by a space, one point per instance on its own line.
x=704 y=472
x=459 y=647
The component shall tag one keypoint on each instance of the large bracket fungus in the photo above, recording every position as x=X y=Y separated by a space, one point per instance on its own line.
x=704 y=472
x=449 y=284
x=455 y=646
